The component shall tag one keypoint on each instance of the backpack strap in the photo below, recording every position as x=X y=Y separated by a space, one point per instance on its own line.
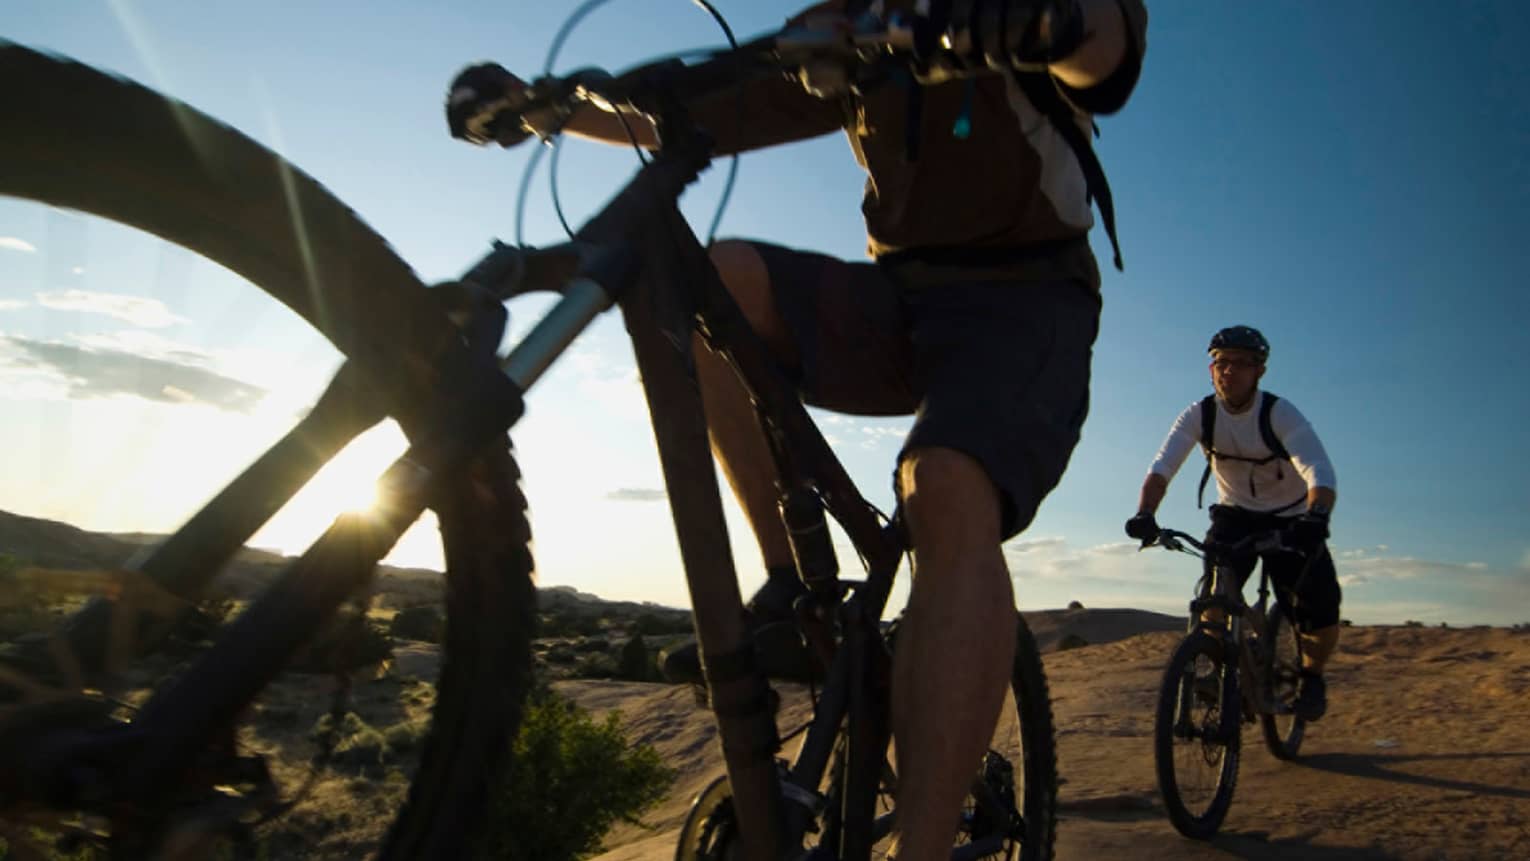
x=1266 y=432
x=1208 y=430
x=1042 y=92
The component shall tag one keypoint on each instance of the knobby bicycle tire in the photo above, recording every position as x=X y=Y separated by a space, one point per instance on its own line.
x=1283 y=732
x=1037 y=770
x=1033 y=702
x=1204 y=820
x=84 y=140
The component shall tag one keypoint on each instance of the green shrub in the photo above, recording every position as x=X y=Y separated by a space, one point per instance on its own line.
x=655 y=625
x=346 y=642
x=637 y=663
x=426 y=623
x=571 y=779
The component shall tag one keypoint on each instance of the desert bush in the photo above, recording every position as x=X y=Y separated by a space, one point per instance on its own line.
x=44 y=845
x=1071 y=641
x=566 y=623
x=654 y=625
x=601 y=666
x=425 y=623
x=348 y=642
x=1075 y=605
x=198 y=624
x=636 y=663
x=362 y=749
x=571 y=779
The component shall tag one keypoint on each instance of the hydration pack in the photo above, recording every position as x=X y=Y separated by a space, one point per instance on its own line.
x=1266 y=432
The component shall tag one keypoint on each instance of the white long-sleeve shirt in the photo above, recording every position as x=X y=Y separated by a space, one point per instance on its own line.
x=1276 y=485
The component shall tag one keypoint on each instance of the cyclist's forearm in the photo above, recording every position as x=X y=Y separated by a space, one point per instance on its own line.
x=1323 y=496
x=1153 y=489
x=596 y=123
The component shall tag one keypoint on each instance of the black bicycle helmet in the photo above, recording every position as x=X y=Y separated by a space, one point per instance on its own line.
x=1240 y=338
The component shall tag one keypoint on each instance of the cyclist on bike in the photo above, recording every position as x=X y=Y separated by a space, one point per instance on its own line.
x=977 y=209
x=1272 y=473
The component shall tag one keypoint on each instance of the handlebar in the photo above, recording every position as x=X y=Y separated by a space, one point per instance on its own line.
x=1259 y=542
x=825 y=60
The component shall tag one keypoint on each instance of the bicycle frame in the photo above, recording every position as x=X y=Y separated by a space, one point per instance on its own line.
x=639 y=254
x=1218 y=591
x=676 y=292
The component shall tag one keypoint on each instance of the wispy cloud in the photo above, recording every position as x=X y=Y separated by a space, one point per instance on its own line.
x=1116 y=548
x=1355 y=570
x=1035 y=545
x=87 y=372
x=874 y=435
x=637 y=494
x=11 y=304
x=137 y=310
x=13 y=243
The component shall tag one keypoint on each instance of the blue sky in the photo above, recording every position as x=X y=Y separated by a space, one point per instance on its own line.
x=1352 y=178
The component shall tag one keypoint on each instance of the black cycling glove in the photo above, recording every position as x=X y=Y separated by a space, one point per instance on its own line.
x=1308 y=532
x=1143 y=527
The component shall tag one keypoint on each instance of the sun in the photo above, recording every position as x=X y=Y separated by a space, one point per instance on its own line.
x=348 y=483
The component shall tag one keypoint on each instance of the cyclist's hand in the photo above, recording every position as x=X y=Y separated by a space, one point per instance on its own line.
x=477 y=103
x=1308 y=532
x=1143 y=527
x=1002 y=34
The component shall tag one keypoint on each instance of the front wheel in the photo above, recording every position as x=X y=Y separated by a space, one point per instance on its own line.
x=1282 y=664
x=1196 y=736
x=100 y=145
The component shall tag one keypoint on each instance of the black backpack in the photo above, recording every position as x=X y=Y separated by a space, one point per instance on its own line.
x=1266 y=431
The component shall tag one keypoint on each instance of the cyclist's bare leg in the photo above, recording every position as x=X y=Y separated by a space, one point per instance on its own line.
x=955 y=645
x=736 y=437
x=1317 y=646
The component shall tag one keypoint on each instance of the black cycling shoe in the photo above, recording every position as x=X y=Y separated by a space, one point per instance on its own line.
x=772 y=602
x=1311 y=697
x=778 y=647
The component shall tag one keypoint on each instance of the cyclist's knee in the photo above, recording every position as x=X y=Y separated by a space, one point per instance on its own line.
x=945 y=488
x=747 y=278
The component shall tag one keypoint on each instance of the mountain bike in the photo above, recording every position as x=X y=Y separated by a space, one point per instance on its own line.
x=151 y=778
x=1236 y=663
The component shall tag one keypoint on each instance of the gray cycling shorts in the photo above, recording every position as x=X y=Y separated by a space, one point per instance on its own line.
x=990 y=365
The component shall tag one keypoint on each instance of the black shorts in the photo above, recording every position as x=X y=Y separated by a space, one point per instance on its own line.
x=991 y=365
x=1317 y=591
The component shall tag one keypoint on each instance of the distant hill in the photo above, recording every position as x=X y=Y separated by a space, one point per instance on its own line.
x=52 y=544
x=1093 y=627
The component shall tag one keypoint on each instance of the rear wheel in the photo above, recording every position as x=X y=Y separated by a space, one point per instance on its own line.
x=1282 y=656
x=1010 y=811
x=710 y=832
x=1014 y=798
x=1196 y=737
x=100 y=145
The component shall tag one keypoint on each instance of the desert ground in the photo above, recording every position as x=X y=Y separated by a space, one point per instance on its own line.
x=1424 y=753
